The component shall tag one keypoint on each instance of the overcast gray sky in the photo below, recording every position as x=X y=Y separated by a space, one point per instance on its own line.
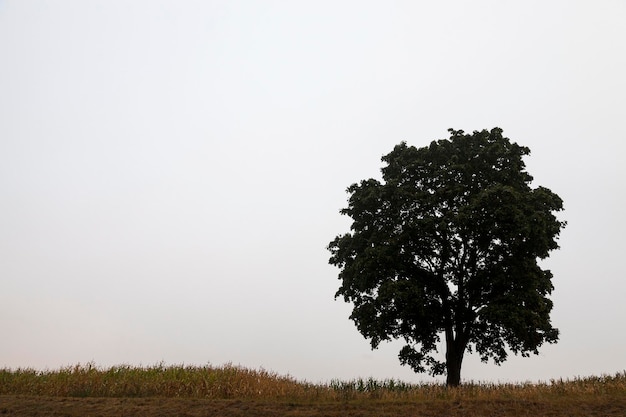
x=171 y=172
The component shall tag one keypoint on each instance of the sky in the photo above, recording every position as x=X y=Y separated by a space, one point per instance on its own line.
x=171 y=172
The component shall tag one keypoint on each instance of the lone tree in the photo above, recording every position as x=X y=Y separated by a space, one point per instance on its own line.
x=448 y=244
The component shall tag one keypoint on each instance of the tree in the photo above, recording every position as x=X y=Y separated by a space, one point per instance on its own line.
x=448 y=244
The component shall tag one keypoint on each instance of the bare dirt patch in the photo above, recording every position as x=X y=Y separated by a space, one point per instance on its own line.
x=39 y=406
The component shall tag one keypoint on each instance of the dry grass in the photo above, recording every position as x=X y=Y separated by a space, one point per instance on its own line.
x=223 y=382
x=232 y=391
x=234 y=382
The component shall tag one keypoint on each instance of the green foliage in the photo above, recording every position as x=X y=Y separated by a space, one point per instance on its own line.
x=448 y=243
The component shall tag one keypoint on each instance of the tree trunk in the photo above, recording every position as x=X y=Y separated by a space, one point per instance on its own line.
x=453 y=369
x=454 y=359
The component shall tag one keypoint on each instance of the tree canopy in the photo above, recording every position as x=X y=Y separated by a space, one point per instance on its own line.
x=447 y=244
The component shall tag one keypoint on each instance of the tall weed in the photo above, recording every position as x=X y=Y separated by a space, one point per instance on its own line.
x=235 y=382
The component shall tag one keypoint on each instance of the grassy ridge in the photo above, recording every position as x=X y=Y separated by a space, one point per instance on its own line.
x=234 y=382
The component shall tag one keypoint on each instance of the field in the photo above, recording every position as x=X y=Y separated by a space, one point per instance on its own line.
x=86 y=390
